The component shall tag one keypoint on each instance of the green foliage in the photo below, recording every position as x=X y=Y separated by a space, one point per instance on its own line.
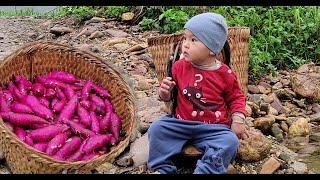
x=81 y=13
x=20 y=12
x=116 y=11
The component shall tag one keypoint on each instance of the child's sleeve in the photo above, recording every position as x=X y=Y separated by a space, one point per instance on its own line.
x=234 y=97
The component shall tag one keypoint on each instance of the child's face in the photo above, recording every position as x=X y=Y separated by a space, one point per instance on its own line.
x=194 y=50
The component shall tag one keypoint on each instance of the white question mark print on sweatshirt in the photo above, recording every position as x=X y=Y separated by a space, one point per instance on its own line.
x=198 y=80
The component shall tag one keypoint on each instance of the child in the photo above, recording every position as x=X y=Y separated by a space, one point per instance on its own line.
x=207 y=90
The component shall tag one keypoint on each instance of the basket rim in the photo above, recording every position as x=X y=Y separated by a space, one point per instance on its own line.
x=34 y=46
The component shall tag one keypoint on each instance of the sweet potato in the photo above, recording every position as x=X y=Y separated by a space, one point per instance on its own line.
x=4 y=107
x=37 y=107
x=85 y=104
x=105 y=123
x=7 y=96
x=29 y=140
x=23 y=84
x=85 y=92
x=79 y=130
x=56 y=143
x=63 y=76
x=49 y=93
x=68 y=91
x=38 y=89
x=79 y=153
x=60 y=94
x=44 y=101
x=97 y=105
x=68 y=110
x=20 y=119
x=42 y=146
x=96 y=142
x=20 y=108
x=47 y=133
x=97 y=100
x=38 y=126
x=71 y=145
x=115 y=127
x=58 y=106
x=9 y=126
x=15 y=92
x=52 y=83
x=101 y=91
x=20 y=133
x=94 y=123
x=84 y=116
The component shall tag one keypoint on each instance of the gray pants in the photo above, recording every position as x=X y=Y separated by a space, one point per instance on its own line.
x=168 y=135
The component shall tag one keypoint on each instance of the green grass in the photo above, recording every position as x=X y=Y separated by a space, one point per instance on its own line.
x=20 y=12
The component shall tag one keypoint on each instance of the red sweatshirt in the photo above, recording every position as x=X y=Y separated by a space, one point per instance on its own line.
x=205 y=95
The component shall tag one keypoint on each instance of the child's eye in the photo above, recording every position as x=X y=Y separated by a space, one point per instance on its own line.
x=194 y=39
x=198 y=95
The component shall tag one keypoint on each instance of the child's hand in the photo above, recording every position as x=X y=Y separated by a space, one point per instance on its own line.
x=165 y=88
x=239 y=127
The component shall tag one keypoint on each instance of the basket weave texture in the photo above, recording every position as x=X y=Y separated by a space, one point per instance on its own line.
x=160 y=48
x=41 y=57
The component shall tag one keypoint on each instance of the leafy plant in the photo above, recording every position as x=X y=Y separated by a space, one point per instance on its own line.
x=116 y=11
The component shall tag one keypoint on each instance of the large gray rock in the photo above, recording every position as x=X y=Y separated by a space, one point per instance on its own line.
x=299 y=127
x=139 y=150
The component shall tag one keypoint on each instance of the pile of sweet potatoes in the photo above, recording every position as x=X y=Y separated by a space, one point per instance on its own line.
x=59 y=114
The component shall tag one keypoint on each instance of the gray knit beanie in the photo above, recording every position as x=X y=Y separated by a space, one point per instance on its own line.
x=210 y=28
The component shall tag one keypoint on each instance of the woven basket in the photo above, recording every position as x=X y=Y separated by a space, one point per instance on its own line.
x=39 y=58
x=160 y=48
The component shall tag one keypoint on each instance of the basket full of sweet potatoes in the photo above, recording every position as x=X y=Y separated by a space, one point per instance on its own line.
x=62 y=109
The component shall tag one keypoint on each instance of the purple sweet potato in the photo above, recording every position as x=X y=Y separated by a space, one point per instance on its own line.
x=97 y=100
x=47 y=133
x=37 y=107
x=21 y=133
x=97 y=105
x=84 y=116
x=57 y=107
x=115 y=127
x=38 y=89
x=94 y=123
x=71 y=145
x=56 y=143
x=96 y=142
x=23 y=84
x=15 y=92
x=79 y=153
x=85 y=92
x=88 y=157
x=49 y=93
x=29 y=140
x=20 y=108
x=44 y=101
x=69 y=110
x=60 y=94
x=9 y=126
x=52 y=83
x=80 y=130
x=63 y=76
x=42 y=146
x=101 y=91
x=68 y=91
x=38 y=126
x=105 y=123
x=4 y=106
x=85 y=104
x=20 y=119
x=7 y=96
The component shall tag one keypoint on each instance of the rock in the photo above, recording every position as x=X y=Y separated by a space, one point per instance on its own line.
x=285 y=157
x=1 y=154
x=140 y=150
x=142 y=84
x=4 y=170
x=277 y=86
x=277 y=132
x=117 y=33
x=264 y=90
x=309 y=149
x=284 y=126
x=285 y=94
x=299 y=167
x=281 y=117
x=285 y=82
x=87 y=31
x=125 y=161
x=270 y=166
x=106 y=44
x=273 y=111
x=267 y=99
x=140 y=94
x=254 y=148
x=95 y=20
x=299 y=128
x=107 y=168
x=264 y=107
x=137 y=47
x=303 y=69
x=61 y=30
x=232 y=170
x=121 y=46
x=264 y=123
x=96 y=34
x=253 y=89
x=300 y=103
x=313 y=137
x=248 y=110
x=316 y=107
x=264 y=84
x=276 y=104
x=85 y=47
x=315 y=117
x=139 y=69
x=127 y=16
x=143 y=127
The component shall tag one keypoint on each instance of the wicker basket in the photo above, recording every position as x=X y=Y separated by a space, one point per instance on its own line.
x=40 y=58
x=238 y=37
